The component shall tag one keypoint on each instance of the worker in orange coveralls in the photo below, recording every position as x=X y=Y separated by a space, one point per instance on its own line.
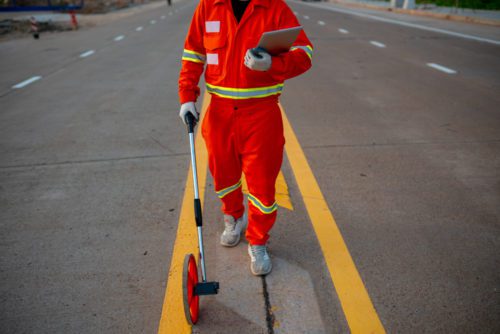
x=243 y=128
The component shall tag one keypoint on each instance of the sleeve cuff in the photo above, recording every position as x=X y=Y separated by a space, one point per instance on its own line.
x=188 y=96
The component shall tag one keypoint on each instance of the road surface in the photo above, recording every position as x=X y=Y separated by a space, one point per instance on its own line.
x=392 y=172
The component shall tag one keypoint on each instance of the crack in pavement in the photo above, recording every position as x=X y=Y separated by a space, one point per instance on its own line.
x=76 y=162
x=270 y=319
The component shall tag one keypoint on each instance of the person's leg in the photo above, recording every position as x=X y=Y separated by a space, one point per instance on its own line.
x=225 y=166
x=262 y=155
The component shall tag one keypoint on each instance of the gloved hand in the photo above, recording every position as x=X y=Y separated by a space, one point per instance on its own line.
x=256 y=63
x=188 y=107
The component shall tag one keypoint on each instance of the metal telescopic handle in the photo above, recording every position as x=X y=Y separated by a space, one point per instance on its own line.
x=191 y=123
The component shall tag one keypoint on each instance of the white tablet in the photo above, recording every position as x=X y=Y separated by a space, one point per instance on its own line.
x=279 y=41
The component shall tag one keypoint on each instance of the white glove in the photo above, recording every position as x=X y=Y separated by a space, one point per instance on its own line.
x=188 y=107
x=256 y=63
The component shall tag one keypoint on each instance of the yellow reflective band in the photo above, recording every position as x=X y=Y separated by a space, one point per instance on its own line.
x=201 y=55
x=307 y=49
x=193 y=60
x=244 y=93
x=193 y=56
x=262 y=208
x=225 y=191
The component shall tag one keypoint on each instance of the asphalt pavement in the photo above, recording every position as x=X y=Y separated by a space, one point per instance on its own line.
x=399 y=126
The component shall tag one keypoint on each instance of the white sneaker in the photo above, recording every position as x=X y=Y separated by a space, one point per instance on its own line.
x=261 y=262
x=232 y=231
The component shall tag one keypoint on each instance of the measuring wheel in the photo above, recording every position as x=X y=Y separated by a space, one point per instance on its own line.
x=189 y=281
x=192 y=288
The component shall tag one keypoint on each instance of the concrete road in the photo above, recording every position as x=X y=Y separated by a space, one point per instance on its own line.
x=398 y=122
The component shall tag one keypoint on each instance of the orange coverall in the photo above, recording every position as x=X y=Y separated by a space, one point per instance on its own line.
x=242 y=128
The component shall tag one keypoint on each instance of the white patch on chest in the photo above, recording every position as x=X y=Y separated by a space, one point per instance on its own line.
x=212 y=59
x=212 y=26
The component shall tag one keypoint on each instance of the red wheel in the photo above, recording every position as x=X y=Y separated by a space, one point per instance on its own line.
x=189 y=281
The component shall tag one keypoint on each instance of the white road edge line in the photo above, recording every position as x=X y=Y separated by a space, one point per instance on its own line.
x=119 y=38
x=87 y=53
x=377 y=44
x=406 y=24
x=343 y=31
x=26 y=82
x=321 y=23
x=442 y=68
x=138 y=29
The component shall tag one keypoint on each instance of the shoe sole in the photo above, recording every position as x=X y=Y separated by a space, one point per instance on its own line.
x=261 y=274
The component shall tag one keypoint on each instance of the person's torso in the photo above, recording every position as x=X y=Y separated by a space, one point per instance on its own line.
x=226 y=41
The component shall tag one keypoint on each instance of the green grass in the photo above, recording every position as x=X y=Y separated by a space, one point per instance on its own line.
x=476 y=4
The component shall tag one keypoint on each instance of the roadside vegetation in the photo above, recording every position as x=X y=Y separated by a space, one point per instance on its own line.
x=474 y=4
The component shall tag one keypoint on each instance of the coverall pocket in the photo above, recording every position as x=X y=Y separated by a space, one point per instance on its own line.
x=214 y=44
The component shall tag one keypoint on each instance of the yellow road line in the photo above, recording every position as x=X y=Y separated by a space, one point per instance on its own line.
x=356 y=304
x=282 y=195
x=172 y=318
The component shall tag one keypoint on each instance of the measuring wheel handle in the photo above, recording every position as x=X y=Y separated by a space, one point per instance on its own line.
x=190 y=122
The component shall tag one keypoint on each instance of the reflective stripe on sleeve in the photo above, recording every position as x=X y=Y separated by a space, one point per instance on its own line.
x=262 y=208
x=308 y=50
x=245 y=93
x=225 y=191
x=193 y=56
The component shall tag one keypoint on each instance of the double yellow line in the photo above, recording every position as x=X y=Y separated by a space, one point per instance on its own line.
x=356 y=304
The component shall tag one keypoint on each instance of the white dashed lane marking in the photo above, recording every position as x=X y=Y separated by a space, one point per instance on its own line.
x=442 y=68
x=306 y=17
x=119 y=38
x=163 y=17
x=138 y=29
x=27 y=82
x=343 y=31
x=321 y=23
x=87 y=54
x=377 y=44
x=152 y=21
x=402 y=23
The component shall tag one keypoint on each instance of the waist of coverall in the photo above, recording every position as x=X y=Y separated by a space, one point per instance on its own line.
x=260 y=92
x=245 y=103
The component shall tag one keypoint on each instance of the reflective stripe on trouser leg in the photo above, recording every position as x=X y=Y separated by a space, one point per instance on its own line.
x=232 y=199
x=223 y=160
x=261 y=206
x=223 y=192
x=261 y=220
